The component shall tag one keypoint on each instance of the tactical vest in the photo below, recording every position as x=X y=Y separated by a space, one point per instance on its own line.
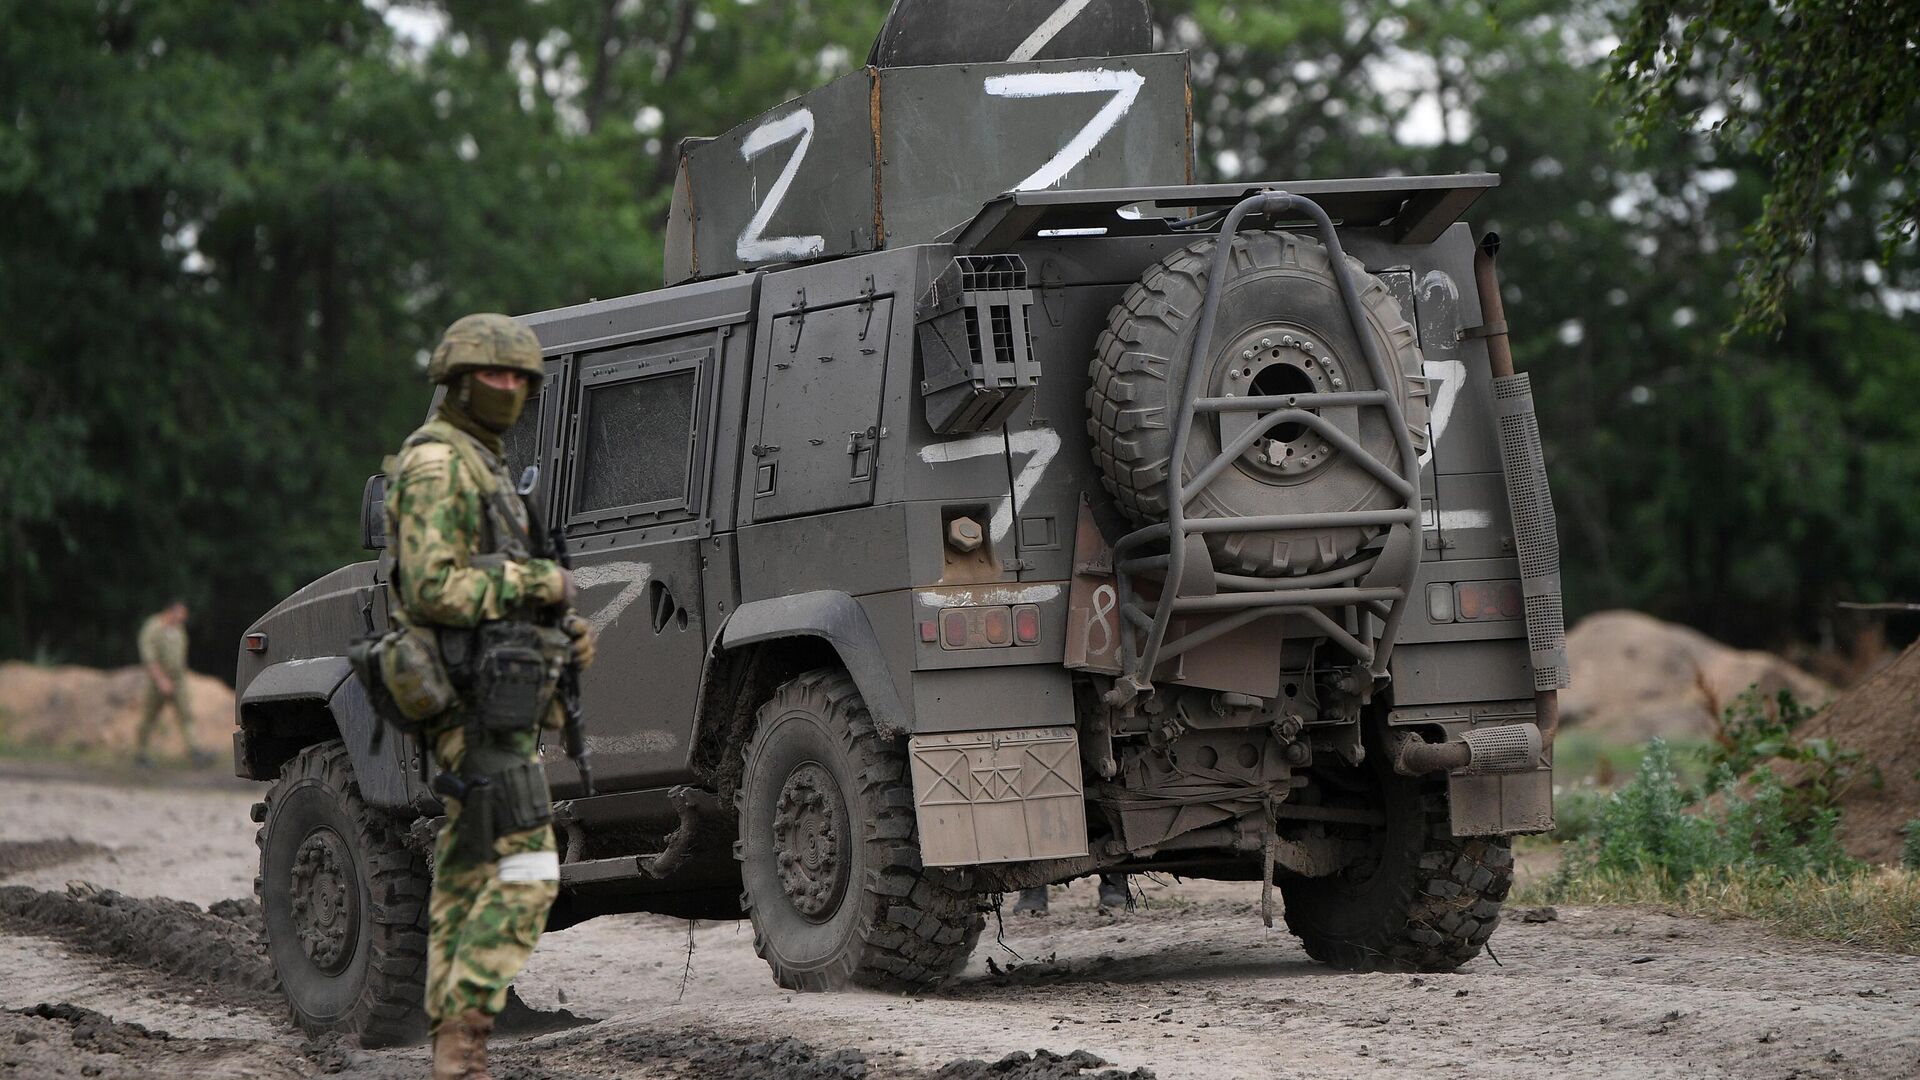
x=506 y=524
x=500 y=675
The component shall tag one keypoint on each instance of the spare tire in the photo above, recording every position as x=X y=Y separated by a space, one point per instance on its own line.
x=1281 y=329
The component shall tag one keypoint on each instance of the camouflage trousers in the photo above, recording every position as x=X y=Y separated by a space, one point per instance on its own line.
x=485 y=917
x=150 y=713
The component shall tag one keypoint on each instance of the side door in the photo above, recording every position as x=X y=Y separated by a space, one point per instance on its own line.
x=636 y=456
x=819 y=408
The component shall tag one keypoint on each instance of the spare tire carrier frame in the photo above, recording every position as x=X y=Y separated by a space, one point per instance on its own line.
x=1315 y=597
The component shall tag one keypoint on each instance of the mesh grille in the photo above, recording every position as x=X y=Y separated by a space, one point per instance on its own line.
x=1547 y=640
x=1511 y=748
x=1535 y=534
x=1529 y=498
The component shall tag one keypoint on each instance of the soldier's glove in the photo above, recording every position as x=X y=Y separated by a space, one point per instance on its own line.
x=581 y=631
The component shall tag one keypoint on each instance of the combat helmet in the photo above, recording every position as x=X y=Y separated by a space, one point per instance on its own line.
x=485 y=340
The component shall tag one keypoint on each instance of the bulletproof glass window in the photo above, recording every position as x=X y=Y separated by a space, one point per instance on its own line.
x=639 y=421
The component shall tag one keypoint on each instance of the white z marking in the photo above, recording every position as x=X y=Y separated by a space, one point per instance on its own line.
x=1041 y=444
x=1048 y=30
x=754 y=245
x=634 y=575
x=1449 y=374
x=1123 y=85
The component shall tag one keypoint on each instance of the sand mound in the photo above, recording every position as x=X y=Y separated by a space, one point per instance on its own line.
x=1635 y=677
x=81 y=708
x=1880 y=718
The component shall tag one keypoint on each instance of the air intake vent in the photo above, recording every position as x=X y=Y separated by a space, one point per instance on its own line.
x=976 y=354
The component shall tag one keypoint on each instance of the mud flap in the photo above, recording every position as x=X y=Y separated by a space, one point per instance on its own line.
x=1511 y=803
x=998 y=796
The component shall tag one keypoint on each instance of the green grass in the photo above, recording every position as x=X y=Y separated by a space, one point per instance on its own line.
x=1876 y=908
x=1587 y=759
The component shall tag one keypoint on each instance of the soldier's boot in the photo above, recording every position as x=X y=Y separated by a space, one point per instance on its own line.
x=1032 y=901
x=460 y=1047
x=1114 y=892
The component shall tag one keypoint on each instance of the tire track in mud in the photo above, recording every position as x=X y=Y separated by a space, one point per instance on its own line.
x=23 y=856
x=218 y=951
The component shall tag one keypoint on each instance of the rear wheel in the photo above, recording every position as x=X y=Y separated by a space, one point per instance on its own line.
x=1421 y=900
x=345 y=904
x=829 y=855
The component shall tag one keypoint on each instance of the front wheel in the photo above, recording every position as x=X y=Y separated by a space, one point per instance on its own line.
x=1421 y=899
x=345 y=904
x=829 y=854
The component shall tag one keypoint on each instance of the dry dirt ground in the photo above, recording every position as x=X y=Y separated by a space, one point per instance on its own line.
x=93 y=983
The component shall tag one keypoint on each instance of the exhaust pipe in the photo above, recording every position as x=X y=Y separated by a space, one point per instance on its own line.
x=1509 y=748
x=1493 y=327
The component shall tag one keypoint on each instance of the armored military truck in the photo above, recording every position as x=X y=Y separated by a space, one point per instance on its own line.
x=984 y=503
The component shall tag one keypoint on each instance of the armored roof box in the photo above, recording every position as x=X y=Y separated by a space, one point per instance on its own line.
x=888 y=157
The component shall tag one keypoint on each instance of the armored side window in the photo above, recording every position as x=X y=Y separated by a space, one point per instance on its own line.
x=634 y=451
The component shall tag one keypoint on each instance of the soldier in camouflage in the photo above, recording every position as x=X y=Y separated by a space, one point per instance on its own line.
x=464 y=566
x=163 y=655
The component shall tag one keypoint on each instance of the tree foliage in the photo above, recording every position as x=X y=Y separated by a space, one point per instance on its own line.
x=228 y=232
x=1826 y=91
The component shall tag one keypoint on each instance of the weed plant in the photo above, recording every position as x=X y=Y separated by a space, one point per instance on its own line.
x=1758 y=838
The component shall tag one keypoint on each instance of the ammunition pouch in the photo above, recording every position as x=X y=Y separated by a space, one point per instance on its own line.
x=513 y=673
x=402 y=673
x=496 y=803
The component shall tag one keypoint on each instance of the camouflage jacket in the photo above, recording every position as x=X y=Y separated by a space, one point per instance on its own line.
x=163 y=645
x=448 y=563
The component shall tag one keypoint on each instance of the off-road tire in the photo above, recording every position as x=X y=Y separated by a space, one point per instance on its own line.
x=1429 y=902
x=375 y=994
x=1135 y=376
x=893 y=924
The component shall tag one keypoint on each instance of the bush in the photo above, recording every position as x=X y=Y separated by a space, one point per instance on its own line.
x=1754 y=729
x=1752 y=847
x=1658 y=826
x=1910 y=848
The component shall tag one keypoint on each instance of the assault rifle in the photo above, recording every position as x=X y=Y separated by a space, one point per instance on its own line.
x=574 y=733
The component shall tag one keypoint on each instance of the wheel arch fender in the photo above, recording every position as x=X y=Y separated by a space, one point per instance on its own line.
x=837 y=619
x=294 y=704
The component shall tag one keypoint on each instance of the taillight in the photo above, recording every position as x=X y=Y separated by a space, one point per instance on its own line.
x=1026 y=625
x=256 y=642
x=991 y=627
x=956 y=630
x=997 y=624
x=1483 y=601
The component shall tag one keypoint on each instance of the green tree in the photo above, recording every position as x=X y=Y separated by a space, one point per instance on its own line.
x=1741 y=488
x=229 y=232
x=1826 y=91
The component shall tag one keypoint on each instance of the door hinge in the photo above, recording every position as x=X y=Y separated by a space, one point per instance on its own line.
x=799 y=318
x=867 y=296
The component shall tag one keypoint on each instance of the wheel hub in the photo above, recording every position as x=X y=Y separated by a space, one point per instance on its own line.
x=326 y=900
x=1277 y=361
x=809 y=838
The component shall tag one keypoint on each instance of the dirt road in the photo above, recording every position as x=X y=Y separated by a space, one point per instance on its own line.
x=1187 y=985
